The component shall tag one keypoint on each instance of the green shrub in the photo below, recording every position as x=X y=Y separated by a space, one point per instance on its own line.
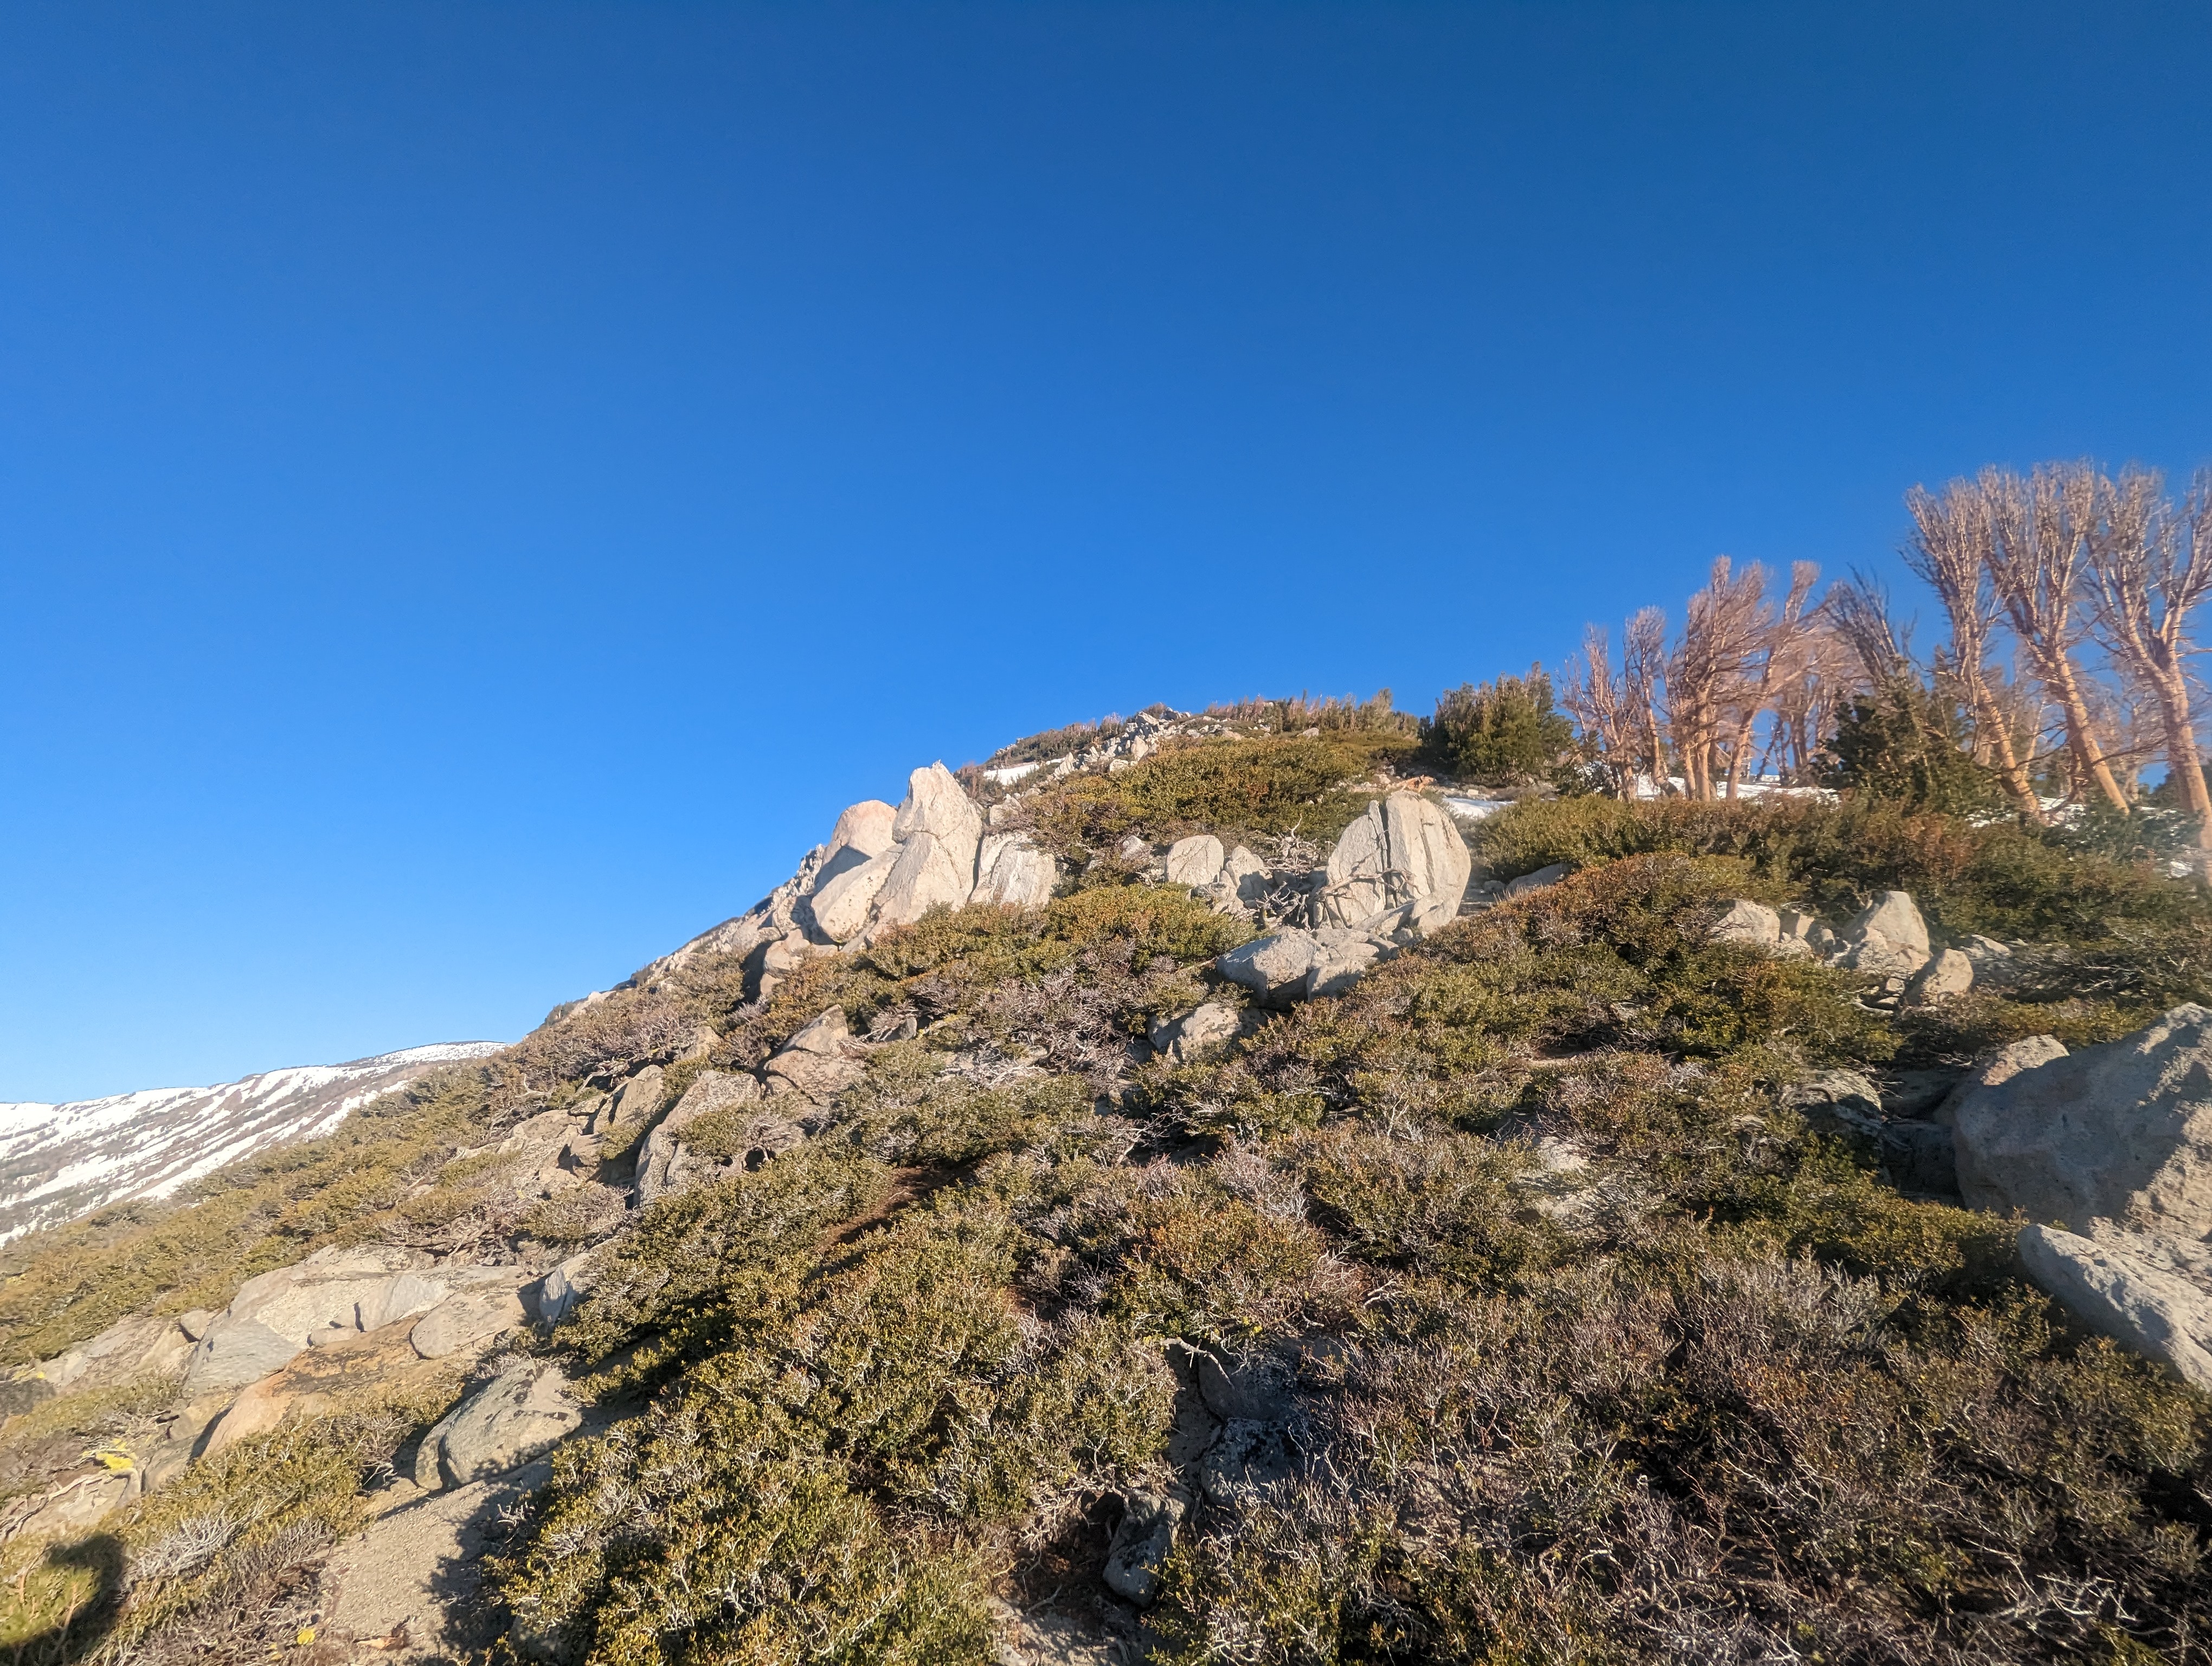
x=1500 y=732
x=1276 y=785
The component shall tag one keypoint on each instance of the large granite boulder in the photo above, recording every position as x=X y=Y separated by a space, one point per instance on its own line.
x=936 y=804
x=1293 y=966
x=2129 y=1288
x=1195 y=861
x=1404 y=850
x=841 y=909
x=927 y=873
x=2121 y=1132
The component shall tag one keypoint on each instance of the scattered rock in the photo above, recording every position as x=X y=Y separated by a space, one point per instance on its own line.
x=1543 y=877
x=128 y=1348
x=1341 y=959
x=1012 y=871
x=1261 y=1389
x=639 y=1099
x=556 y=1296
x=817 y=1063
x=1838 y=1101
x=1138 y=1553
x=1249 y=1458
x=76 y=1506
x=236 y=1352
x=523 y=1413
x=466 y=1321
x=1196 y=1032
x=1274 y=968
x=1949 y=973
x=1752 y=924
x=1889 y=937
x=1242 y=885
x=2113 y=1287
x=2001 y=1066
x=2120 y=1133
x=1195 y=861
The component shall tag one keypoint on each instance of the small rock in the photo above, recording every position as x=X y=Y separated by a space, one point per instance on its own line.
x=1196 y=1032
x=1274 y=968
x=1249 y=1458
x=1138 y=1553
x=1542 y=879
x=235 y=1351
x=555 y=1295
x=639 y=1099
x=1889 y=937
x=1752 y=924
x=1949 y=973
x=1195 y=861
x=817 y=1063
x=523 y=1413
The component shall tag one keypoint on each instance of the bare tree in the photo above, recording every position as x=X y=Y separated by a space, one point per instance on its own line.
x=1859 y=609
x=2149 y=565
x=1705 y=677
x=1952 y=548
x=1807 y=695
x=1597 y=700
x=1777 y=650
x=2040 y=527
x=1644 y=670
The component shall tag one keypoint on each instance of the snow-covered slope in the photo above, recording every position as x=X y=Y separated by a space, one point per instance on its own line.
x=58 y=1162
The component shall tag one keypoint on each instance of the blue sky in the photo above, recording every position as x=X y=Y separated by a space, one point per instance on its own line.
x=482 y=486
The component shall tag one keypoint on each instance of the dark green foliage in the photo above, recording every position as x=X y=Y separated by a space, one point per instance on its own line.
x=1276 y=785
x=1903 y=745
x=1502 y=732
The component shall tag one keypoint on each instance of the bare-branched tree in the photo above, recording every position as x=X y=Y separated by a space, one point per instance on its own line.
x=2149 y=566
x=1953 y=549
x=1778 y=652
x=1597 y=699
x=1728 y=620
x=2041 y=526
x=1643 y=671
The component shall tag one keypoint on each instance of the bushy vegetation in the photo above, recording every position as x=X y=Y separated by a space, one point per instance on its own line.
x=1591 y=1349
x=1271 y=785
x=1502 y=733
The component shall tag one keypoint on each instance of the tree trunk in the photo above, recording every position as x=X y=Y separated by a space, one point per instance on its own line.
x=2081 y=739
x=1991 y=722
x=2182 y=762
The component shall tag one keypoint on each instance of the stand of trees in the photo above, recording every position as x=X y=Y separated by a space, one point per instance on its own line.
x=2064 y=670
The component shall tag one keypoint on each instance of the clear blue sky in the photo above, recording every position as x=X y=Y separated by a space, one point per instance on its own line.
x=482 y=486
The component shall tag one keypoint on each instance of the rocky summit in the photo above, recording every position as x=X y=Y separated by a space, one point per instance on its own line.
x=1230 y=1186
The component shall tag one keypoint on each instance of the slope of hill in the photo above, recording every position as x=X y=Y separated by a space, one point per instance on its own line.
x=58 y=1161
x=1199 y=1201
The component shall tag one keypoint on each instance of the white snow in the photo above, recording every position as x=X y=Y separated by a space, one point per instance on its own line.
x=59 y=1161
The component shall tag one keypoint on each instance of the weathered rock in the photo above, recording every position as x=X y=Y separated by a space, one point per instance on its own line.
x=1341 y=959
x=1260 y=1389
x=2120 y=1133
x=1404 y=850
x=817 y=1063
x=935 y=805
x=841 y=909
x=556 y=1295
x=1838 y=1101
x=639 y=1099
x=236 y=1352
x=925 y=874
x=1999 y=1068
x=1138 y=1553
x=661 y=1166
x=1889 y=938
x=521 y=1414
x=465 y=1321
x=2112 y=1287
x=1195 y=861
x=1196 y=1032
x=867 y=827
x=1540 y=879
x=1274 y=968
x=1012 y=872
x=1242 y=885
x=128 y=1348
x=1249 y=1458
x=1949 y=973
x=1752 y=924
x=79 y=1504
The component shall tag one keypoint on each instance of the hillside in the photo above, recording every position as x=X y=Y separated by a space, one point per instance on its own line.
x=58 y=1161
x=1231 y=1192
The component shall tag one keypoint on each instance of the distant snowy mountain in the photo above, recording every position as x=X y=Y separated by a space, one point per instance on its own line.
x=58 y=1162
